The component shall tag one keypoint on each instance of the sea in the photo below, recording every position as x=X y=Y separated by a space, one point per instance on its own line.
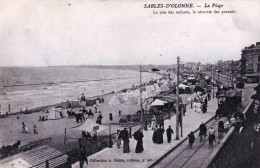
x=34 y=87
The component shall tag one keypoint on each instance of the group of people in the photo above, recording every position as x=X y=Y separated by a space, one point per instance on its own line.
x=157 y=121
x=124 y=136
x=201 y=105
x=25 y=129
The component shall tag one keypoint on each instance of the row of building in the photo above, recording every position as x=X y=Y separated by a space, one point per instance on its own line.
x=250 y=63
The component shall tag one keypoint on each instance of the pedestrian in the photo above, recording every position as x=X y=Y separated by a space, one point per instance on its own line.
x=34 y=130
x=9 y=108
x=99 y=119
x=233 y=121
x=124 y=135
x=204 y=108
x=119 y=139
x=169 y=133
x=184 y=109
x=119 y=112
x=110 y=116
x=138 y=136
x=191 y=139
x=153 y=122
x=161 y=119
x=206 y=102
x=24 y=128
x=209 y=96
x=211 y=137
x=160 y=132
x=95 y=107
x=82 y=157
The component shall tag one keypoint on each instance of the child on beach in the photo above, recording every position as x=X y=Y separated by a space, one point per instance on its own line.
x=34 y=130
x=24 y=128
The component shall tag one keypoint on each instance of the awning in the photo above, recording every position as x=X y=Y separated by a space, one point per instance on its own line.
x=158 y=102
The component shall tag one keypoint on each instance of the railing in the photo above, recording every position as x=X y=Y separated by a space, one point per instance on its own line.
x=24 y=147
x=230 y=148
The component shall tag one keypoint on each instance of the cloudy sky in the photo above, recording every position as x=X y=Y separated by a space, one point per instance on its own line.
x=81 y=32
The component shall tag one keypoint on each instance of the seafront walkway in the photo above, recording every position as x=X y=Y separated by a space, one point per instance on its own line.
x=114 y=157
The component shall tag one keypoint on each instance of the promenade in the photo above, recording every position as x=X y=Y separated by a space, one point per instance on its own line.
x=114 y=157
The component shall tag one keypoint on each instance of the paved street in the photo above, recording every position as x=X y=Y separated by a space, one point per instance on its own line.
x=186 y=157
x=152 y=151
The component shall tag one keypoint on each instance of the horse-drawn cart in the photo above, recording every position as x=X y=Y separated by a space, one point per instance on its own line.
x=229 y=101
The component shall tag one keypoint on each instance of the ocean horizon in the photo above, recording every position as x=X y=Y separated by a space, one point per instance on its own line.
x=34 y=87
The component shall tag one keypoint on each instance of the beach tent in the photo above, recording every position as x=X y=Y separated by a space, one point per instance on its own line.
x=158 y=102
x=66 y=104
x=54 y=113
x=90 y=126
x=131 y=101
x=114 y=101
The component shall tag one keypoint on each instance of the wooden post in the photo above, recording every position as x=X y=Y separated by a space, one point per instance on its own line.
x=130 y=132
x=47 y=163
x=110 y=137
x=65 y=133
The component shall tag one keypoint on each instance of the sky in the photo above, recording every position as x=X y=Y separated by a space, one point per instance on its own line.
x=84 y=32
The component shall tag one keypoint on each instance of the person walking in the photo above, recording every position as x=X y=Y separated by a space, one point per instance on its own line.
x=211 y=137
x=9 y=108
x=160 y=132
x=82 y=157
x=124 y=135
x=138 y=136
x=203 y=131
x=119 y=139
x=169 y=133
x=209 y=96
x=191 y=139
x=34 y=130
x=119 y=112
x=110 y=116
x=153 y=122
x=24 y=128
x=95 y=107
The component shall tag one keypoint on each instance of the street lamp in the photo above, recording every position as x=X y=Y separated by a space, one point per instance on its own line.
x=177 y=101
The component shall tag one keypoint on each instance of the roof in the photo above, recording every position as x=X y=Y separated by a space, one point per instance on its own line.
x=230 y=93
x=37 y=156
x=168 y=97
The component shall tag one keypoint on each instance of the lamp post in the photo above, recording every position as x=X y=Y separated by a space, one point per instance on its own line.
x=110 y=137
x=141 y=94
x=177 y=101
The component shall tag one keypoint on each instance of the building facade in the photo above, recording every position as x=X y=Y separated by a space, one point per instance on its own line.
x=250 y=62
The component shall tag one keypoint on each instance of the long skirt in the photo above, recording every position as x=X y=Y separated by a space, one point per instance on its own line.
x=126 y=148
x=139 y=147
x=153 y=124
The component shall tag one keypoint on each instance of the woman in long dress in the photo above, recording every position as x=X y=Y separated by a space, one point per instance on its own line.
x=138 y=136
x=153 y=123
x=124 y=135
x=119 y=139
